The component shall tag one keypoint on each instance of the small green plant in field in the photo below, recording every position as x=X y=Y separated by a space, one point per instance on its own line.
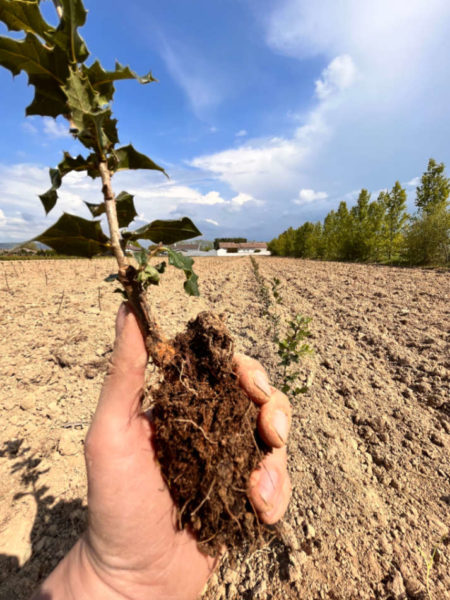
x=430 y=561
x=275 y=283
x=290 y=350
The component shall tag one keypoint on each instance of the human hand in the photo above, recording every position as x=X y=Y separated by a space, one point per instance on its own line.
x=132 y=548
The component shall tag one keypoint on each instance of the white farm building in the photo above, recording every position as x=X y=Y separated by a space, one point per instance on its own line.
x=242 y=249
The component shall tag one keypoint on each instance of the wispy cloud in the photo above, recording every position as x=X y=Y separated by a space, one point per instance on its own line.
x=306 y=196
x=193 y=74
x=55 y=129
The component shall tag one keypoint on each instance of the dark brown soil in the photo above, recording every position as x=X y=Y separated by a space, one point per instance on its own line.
x=206 y=438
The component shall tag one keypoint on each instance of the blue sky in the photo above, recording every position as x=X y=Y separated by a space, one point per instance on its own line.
x=267 y=113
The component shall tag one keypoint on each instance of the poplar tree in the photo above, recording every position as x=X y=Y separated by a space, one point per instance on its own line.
x=395 y=217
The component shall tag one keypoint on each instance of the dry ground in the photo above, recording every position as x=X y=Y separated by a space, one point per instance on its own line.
x=369 y=449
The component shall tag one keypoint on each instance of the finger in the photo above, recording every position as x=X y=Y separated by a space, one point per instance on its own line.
x=123 y=385
x=252 y=378
x=270 y=487
x=274 y=420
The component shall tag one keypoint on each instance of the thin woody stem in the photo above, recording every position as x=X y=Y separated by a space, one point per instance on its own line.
x=111 y=213
x=156 y=346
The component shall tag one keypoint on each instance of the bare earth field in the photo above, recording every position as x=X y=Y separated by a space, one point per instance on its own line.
x=369 y=449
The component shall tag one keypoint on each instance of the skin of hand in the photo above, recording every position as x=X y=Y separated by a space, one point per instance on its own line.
x=132 y=549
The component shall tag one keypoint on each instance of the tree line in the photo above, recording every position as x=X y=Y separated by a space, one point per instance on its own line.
x=380 y=230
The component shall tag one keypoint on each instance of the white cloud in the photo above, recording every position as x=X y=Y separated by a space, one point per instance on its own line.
x=241 y=133
x=373 y=101
x=55 y=129
x=306 y=196
x=29 y=127
x=414 y=182
x=339 y=75
x=22 y=216
x=212 y=222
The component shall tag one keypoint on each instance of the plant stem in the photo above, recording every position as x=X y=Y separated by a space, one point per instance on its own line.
x=111 y=213
x=159 y=350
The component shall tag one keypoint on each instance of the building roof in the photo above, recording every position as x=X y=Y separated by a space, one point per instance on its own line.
x=243 y=245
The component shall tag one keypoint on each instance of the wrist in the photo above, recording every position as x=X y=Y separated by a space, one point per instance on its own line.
x=75 y=578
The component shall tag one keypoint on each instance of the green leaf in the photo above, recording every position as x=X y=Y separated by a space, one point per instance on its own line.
x=126 y=211
x=129 y=158
x=161 y=267
x=141 y=257
x=96 y=209
x=121 y=292
x=179 y=261
x=67 y=37
x=75 y=236
x=102 y=81
x=81 y=96
x=167 y=232
x=191 y=285
x=124 y=206
x=68 y=164
x=185 y=263
x=50 y=197
x=148 y=276
x=25 y=16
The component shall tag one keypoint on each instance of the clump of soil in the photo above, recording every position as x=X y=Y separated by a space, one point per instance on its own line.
x=206 y=438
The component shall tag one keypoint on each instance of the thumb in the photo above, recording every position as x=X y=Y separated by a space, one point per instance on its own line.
x=124 y=383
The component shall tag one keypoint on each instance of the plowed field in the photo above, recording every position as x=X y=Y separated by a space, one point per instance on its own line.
x=369 y=447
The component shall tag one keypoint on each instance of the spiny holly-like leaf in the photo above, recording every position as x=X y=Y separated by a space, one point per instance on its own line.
x=67 y=37
x=167 y=232
x=25 y=16
x=129 y=158
x=75 y=236
x=124 y=205
x=102 y=81
x=126 y=211
x=50 y=197
x=47 y=70
x=185 y=263
x=31 y=56
x=69 y=163
x=82 y=97
x=96 y=209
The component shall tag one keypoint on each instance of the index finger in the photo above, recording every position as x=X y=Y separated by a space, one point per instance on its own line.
x=252 y=378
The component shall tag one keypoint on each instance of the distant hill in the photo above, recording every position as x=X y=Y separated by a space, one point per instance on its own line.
x=8 y=245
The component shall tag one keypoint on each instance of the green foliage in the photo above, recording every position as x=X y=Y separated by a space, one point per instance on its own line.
x=54 y=59
x=381 y=230
x=75 y=236
x=434 y=189
x=185 y=263
x=275 y=283
x=166 y=232
x=125 y=209
x=290 y=350
x=393 y=222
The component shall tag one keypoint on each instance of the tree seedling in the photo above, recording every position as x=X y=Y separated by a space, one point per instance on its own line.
x=199 y=405
x=290 y=350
